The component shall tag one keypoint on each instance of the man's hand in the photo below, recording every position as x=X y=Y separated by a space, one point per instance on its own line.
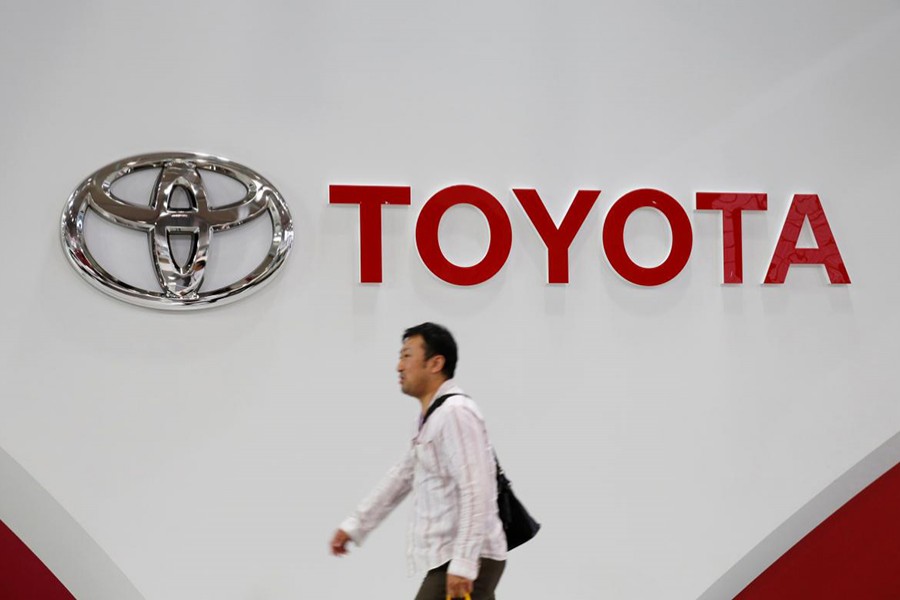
x=339 y=542
x=458 y=587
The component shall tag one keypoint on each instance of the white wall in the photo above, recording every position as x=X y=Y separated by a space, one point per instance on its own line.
x=660 y=434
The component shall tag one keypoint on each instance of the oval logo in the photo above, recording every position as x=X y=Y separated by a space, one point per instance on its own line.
x=178 y=208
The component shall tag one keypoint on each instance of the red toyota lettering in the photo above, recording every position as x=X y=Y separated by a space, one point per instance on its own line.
x=731 y=205
x=614 y=238
x=429 y=246
x=370 y=199
x=807 y=206
x=557 y=239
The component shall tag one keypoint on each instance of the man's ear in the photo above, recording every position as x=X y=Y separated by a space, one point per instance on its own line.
x=437 y=363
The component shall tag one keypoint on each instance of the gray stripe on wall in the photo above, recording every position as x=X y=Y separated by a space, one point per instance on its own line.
x=57 y=539
x=841 y=491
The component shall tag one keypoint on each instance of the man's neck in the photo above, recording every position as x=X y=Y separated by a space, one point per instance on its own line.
x=427 y=398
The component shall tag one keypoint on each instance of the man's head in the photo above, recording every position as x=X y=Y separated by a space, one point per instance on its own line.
x=427 y=359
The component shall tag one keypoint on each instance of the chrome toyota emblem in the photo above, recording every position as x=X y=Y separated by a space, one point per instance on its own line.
x=161 y=218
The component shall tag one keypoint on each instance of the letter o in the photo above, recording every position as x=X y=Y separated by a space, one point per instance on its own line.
x=429 y=246
x=614 y=237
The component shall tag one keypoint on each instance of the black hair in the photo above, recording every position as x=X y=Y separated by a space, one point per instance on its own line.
x=436 y=340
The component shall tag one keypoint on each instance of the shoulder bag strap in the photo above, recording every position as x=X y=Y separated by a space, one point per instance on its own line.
x=436 y=404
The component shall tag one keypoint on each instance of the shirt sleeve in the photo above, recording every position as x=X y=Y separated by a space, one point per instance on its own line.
x=464 y=443
x=389 y=492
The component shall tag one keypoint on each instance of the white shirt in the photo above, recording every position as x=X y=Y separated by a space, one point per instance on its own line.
x=451 y=471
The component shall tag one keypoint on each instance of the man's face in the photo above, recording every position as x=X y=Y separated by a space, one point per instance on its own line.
x=415 y=370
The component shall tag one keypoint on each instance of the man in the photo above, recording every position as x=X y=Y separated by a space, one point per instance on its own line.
x=456 y=533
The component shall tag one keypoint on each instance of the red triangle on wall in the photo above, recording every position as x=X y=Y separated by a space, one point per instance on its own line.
x=853 y=554
x=22 y=574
